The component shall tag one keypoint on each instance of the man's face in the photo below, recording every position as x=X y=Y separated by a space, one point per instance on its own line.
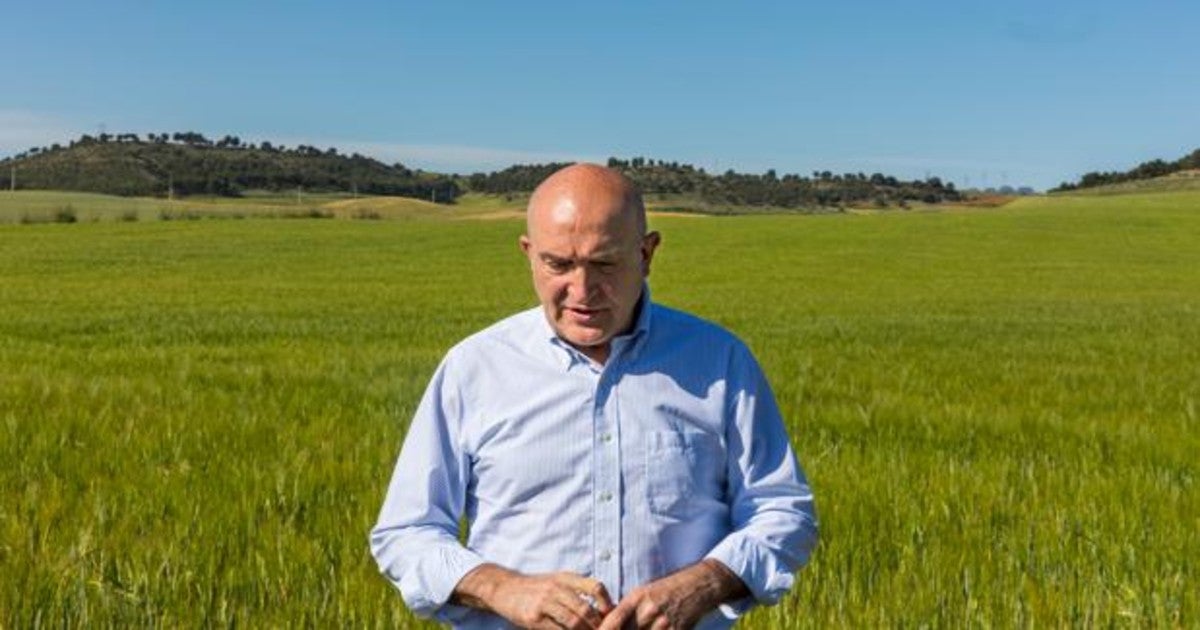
x=588 y=264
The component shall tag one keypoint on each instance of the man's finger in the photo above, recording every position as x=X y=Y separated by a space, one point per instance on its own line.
x=647 y=613
x=564 y=617
x=590 y=587
x=602 y=599
x=617 y=619
x=579 y=608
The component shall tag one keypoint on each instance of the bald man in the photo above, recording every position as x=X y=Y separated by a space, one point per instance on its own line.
x=619 y=463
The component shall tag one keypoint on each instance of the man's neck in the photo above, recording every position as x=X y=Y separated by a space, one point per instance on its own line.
x=599 y=353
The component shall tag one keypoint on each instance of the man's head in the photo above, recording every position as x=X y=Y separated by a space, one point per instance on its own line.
x=589 y=251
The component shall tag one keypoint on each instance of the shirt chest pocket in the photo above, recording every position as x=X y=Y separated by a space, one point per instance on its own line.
x=678 y=466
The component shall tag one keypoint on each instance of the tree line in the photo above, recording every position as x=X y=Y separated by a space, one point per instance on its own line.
x=770 y=189
x=1145 y=170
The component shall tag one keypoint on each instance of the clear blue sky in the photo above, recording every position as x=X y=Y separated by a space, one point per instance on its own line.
x=980 y=93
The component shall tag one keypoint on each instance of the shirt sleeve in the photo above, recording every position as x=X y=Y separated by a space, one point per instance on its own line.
x=774 y=523
x=415 y=542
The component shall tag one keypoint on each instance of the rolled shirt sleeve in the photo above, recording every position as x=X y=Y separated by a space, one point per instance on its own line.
x=774 y=524
x=415 y=541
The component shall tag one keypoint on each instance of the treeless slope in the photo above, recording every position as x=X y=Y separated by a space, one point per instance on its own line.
x=387 y=208
x=468 y=207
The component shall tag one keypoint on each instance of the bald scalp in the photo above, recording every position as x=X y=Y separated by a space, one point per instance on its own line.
x=586 y=193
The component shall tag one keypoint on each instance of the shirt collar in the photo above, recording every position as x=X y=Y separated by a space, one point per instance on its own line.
x=641 y=326
x=628 y=344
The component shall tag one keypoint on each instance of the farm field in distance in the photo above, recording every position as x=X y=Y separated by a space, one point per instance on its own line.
x=42 y=206
x=997 y=408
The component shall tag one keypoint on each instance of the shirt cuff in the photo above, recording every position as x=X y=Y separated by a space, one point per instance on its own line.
x=758 y=567
x=430 y=589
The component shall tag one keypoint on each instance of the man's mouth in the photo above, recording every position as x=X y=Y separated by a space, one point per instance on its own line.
x=584 y=314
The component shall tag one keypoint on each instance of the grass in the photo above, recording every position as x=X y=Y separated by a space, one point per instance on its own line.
x=41 y=206
x=997 y=408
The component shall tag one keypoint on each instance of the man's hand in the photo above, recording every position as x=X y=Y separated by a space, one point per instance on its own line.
x=552 y=600
x=678 y=600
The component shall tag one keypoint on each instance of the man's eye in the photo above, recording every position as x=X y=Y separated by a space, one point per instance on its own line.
x=606 y=267
x=558 y=266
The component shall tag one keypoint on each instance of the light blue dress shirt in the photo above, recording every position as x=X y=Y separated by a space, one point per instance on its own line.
x=671 y=452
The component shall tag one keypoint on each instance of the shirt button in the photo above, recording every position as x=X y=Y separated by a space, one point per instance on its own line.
x=606 y=496
x=606 y=438
x=605 y=555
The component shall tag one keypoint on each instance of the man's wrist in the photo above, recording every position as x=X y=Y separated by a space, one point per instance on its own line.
x=724 y=585
x=477 y=589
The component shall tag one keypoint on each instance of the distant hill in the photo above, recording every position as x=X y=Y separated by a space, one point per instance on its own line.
x=187 y=163
x=190 y=164
x=1154 y=169
x=730 y=189
x=1177 y=181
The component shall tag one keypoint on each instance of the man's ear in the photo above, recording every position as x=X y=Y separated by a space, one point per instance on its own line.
x=524 y=243
x=649 y=244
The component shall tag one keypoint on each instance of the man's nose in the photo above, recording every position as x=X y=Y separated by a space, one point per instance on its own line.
x=583 y=281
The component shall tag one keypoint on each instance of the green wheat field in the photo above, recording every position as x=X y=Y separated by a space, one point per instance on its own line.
x=997 y=408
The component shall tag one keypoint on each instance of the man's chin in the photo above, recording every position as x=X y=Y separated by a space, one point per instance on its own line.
x=584 y=337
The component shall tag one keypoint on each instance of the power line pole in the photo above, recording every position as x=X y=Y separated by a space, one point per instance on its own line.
x=12 y=179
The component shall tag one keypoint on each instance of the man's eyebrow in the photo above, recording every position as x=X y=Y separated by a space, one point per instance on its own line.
x=599 y=258
x=611 y=252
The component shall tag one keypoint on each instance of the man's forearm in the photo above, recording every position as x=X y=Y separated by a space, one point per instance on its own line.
x=723 y=584
x=477 y=589
x=704 y=586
